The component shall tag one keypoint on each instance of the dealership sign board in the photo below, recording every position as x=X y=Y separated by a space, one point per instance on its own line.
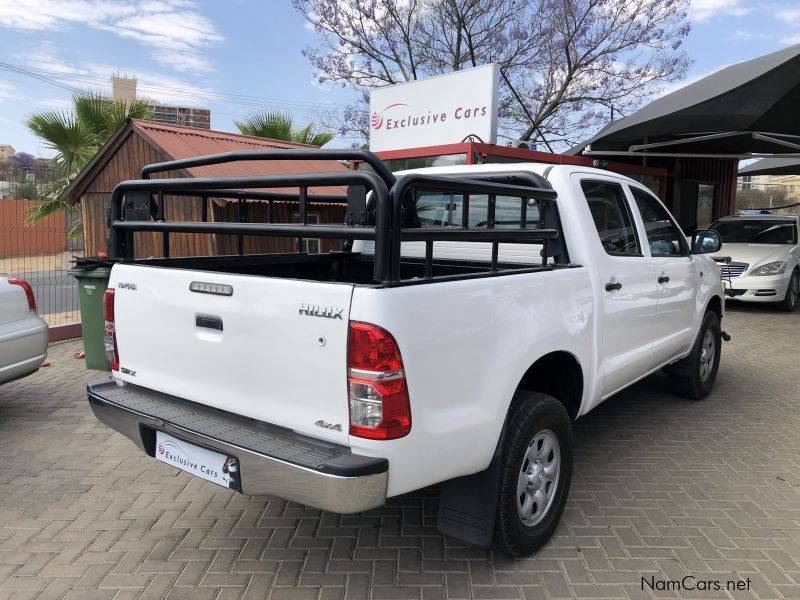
x=445 y=109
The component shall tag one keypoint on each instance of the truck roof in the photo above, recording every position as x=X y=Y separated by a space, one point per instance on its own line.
x=760 y=217
x=534 y=167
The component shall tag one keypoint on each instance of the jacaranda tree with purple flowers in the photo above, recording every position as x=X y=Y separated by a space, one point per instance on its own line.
x=575 y=63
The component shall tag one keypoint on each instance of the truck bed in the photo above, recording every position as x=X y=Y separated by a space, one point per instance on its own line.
x=335 y=267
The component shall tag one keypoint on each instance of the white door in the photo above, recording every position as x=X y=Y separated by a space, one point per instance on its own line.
x=677 y=278
x=628 y=286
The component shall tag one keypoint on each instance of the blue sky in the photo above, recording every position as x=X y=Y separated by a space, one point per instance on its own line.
x=235 y=56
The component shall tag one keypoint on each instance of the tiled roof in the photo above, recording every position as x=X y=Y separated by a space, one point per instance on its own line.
x=181 y=141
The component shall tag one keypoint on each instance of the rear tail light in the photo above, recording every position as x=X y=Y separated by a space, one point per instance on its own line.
x=27 y=289
x=109 y=331
x=379 y=406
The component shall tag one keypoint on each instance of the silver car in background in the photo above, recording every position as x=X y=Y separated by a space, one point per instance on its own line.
x=23 y=334
x=760 y=258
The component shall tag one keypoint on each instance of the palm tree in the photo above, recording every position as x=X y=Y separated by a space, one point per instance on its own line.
x=280 y=126
x=76 y=136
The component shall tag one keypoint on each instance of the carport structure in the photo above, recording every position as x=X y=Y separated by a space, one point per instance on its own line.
x=701 y=131
x=773 y=165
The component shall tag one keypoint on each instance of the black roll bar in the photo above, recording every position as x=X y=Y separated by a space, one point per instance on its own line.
x=393 y=203
x=302 y=154
x=120 y=242
x=256 y=195
x=537 y=185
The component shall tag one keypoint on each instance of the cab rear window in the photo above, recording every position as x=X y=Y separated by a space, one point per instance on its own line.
x=446 y=210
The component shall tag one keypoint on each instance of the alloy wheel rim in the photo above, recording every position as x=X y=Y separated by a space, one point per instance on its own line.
x=538 y=477
x=707 y=353
x=794 y=292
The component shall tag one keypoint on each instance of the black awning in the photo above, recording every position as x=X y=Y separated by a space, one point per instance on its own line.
x=774 y=165
x=749 y=107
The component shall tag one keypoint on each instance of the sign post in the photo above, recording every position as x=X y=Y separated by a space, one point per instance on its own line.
x=445 y=109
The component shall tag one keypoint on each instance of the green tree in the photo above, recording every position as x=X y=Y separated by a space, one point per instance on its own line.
x=77 y=135
x=279 y=126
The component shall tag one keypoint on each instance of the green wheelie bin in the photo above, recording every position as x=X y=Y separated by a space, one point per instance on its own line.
x=92 y=284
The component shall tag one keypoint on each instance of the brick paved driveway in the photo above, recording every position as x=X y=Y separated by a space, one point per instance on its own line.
x=663 y=488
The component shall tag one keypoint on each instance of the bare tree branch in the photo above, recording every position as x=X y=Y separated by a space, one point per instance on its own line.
x=572 y=61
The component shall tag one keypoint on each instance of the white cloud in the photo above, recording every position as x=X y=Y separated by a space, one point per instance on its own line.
x=97 y=77
x=751 y=35
x=6 y=91
x=791 y=40
x=175 y=31
x=791 y=15
x=54 y=103
x=703 y=10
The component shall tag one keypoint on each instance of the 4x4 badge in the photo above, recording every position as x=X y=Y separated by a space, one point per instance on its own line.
x=326 y=425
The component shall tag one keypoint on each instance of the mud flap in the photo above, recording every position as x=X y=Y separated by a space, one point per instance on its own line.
x=468 y=505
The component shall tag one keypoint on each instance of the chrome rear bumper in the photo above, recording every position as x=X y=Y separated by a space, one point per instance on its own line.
x=272 y=460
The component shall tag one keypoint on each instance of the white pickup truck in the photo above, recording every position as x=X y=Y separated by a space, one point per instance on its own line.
x=471 y=315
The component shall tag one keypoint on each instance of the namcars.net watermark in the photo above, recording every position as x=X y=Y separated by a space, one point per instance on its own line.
x=694 y=583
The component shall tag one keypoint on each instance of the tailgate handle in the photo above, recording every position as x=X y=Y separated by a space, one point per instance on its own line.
x=208 y=321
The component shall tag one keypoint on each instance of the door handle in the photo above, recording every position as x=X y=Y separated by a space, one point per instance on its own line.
x=611 y=286
x=663 y=279
x=208 y=322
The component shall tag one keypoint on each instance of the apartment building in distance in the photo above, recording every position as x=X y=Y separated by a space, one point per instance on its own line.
x=124 y=90
x=6 y=152
x=783 y=188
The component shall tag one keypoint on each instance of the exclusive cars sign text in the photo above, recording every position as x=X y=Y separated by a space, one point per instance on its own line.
x=429 y=119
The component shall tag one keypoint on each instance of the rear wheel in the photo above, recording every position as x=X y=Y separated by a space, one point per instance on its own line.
x=694 y=376
x=535 y=474
x=792 y=297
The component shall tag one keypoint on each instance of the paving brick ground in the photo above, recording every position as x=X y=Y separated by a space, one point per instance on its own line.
x=663 y=488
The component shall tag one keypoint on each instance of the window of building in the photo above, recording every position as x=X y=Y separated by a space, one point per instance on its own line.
x=705 y=205
x=310 y=245
x=696 y=209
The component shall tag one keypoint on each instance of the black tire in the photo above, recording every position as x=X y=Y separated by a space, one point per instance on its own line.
x=792 y=297
x=687 y=377
x=534 y=415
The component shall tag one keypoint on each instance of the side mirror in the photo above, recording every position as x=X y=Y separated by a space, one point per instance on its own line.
x=705 y=241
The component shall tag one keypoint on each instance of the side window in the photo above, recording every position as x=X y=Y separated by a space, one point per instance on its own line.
x=663 y=237
x=507 y=212
x=612 y=217
x=435 y=209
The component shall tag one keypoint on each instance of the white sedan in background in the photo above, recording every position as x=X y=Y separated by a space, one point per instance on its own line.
x=23 y=334
x=764 y=255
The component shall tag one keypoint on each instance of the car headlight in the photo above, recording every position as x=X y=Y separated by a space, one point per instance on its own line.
x=773 y=268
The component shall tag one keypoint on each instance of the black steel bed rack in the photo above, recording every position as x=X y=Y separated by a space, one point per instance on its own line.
x=380 y=207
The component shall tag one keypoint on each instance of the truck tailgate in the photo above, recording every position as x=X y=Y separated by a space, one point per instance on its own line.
x=274 y=350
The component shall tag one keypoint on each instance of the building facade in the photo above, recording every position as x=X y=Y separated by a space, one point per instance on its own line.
x=6 y=152
x=124 y=90
x=181 y=115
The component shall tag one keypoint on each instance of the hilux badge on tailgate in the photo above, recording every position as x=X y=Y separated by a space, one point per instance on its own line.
x=315 y=310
